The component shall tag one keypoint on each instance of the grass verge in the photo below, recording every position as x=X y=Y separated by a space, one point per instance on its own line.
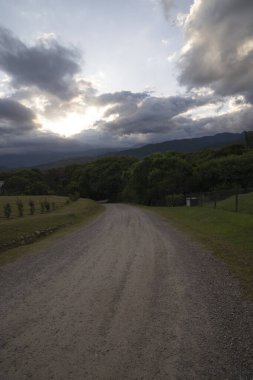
x=16 y=234
x=227 y=234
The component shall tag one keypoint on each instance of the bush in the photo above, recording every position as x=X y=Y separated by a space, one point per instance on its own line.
x=47 y=205
x=42 y=207
x=74 y=197
x=7 y=210
x=32 y=207
x=173 y=200
x=20 y=207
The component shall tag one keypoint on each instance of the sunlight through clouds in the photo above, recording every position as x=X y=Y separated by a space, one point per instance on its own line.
x=73 y=123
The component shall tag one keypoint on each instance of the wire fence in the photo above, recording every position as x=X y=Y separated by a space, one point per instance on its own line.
x=237 y=200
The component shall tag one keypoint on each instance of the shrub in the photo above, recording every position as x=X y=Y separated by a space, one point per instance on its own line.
x=32 y=207
x=20 y=207
x=7 y=210
x=173 y=200
x=47 y=205
x=42 y=207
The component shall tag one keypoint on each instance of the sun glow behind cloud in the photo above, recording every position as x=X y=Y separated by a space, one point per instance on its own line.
x=73 y=123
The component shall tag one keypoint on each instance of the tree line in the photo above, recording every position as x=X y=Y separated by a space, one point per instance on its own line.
x=153 y=180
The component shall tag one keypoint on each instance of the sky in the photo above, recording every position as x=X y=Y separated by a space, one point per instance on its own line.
x=82 y=74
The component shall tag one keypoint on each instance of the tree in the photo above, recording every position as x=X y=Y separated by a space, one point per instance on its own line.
x=248 y=136
x=32 y=207
x=159 y=175
x=105 y=178
x=20 y=207
x=7 y=210
x=16 y=185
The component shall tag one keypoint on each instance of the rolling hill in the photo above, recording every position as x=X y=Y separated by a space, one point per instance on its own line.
x=57 y=159
x=186 y=145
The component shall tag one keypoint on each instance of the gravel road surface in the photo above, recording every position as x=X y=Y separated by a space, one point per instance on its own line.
x=127 y=297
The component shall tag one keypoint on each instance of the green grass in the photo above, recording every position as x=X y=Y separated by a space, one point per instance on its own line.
x=37 y=199
x=18 y=232
x=245 y=203
x=227 y=234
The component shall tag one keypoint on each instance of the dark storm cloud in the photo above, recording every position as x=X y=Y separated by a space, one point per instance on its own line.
x=48 y=65
x=219 y=35
x=36 y=141
x=44 y=142
x=121 y=103
x=121 y=97
x=12 y=110
x=233 y=122
x=15 y=119
x=144 y=114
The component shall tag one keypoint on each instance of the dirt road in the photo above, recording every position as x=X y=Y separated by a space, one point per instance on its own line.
x=128 y=297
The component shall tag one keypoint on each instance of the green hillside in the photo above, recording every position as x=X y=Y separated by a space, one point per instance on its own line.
x=245 y=203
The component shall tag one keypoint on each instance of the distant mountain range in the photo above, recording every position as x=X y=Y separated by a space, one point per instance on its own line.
x=186 y=145
x=183 y=146
x=48 y=160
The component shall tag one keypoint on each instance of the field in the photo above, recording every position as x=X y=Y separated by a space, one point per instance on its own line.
x=245 y=203
x=54 y=201
x=227 y=234
x=20 y=231
x=228 y=202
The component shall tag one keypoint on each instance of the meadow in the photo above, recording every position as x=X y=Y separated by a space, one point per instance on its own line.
x=245 y=203
x=20 y=231
x=55 y=202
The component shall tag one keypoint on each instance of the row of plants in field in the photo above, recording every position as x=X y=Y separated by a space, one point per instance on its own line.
x=44 y=206
x=18 y=231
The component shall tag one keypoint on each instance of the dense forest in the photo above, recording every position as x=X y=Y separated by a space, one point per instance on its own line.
x=152 y=180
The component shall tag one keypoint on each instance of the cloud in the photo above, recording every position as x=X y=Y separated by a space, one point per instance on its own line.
x=140 y=113
x=219 y=47
x=121 y=97
x=15 y=119
x=167 y=7
x=130 y=118
x=172 y=57
x=12 y=110
x=48 y=66
x=46 y=77
x=21 y=133
x=233 y=122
